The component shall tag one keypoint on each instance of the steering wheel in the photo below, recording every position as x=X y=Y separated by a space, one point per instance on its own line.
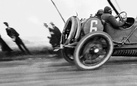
x=122 y=16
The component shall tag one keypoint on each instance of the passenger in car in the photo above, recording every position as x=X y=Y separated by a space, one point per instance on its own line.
x=109 y=18
x=99 y=13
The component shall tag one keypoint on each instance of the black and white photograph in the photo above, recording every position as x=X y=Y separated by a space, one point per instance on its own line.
x=68 y=43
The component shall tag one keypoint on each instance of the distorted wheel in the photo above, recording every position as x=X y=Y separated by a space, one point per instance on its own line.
x=93 y=50
x=67 y=54
x=67 y=38
x=69 y=30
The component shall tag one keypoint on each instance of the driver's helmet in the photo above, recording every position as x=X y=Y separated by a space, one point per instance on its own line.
x=107 y=9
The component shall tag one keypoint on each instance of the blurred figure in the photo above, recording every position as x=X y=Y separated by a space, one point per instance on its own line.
x=4 y=46
x=14 y=35
x=50 y=30
x=99 y=13
x=55 y=35
x=82 y=20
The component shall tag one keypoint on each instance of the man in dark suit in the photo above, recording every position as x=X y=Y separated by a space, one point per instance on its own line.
x=55 y=35
x=14 y=35
x=99 y=13
x=109 y=18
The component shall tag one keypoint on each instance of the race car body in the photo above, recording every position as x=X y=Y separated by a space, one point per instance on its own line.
x=91 y=43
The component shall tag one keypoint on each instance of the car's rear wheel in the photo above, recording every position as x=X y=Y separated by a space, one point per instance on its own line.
x=67 y=54
x=93 y=50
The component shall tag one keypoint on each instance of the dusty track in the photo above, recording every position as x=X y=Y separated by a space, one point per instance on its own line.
x=45 y=70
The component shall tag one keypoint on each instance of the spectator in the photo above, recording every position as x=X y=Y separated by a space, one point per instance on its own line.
x=14 y=35
x=99 y=13
x=55 y=35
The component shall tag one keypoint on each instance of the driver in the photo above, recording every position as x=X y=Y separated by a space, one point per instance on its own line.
x=109 y=18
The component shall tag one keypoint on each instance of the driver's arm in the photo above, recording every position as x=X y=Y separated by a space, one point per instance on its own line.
x=114 y=22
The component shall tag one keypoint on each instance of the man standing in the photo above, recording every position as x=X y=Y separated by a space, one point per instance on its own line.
x=14 y=35
x=55 y=35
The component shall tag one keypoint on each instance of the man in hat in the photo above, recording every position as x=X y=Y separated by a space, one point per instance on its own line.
x=4 y=46
x=109 y=18
x=99 y=13
x=12 y=33
x=55 y=35
x=56 y=30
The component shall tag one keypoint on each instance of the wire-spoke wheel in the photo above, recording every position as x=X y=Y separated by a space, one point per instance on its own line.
x=93 y=50
x=67 y=54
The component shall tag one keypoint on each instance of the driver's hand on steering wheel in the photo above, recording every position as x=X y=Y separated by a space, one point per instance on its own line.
x=124 y=20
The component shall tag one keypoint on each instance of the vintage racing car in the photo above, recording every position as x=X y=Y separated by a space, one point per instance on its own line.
x=89 y=44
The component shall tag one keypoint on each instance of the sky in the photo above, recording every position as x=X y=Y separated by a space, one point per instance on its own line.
x=28 y=16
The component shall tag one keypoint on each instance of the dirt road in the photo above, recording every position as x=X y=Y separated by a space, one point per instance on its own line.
x=43 y=70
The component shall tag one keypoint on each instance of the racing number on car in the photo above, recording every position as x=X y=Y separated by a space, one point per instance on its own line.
x=92 y=25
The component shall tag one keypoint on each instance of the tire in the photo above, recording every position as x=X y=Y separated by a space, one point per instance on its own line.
x=78 y=32
x=69 y=30
x=93 y=50
x=67 y=54
x=67 y=37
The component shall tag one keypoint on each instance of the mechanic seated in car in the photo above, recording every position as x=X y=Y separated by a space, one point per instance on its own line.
x=109 y=18
x=99 y=13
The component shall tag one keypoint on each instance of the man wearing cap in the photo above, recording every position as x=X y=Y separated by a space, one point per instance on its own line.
x=99 y=13
x=57 y=34
x=12 y=33
x=109 y=18
x=51 y=40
